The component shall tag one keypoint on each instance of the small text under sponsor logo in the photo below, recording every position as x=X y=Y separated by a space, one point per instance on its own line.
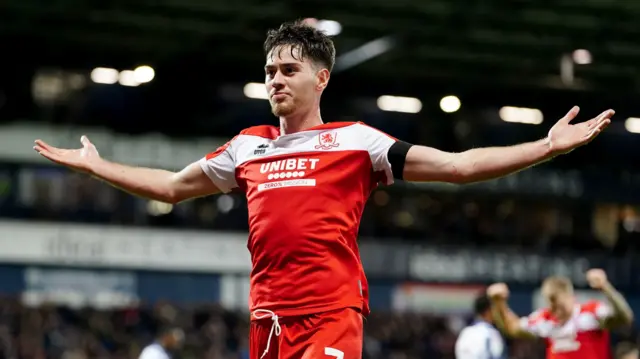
x=303 y=182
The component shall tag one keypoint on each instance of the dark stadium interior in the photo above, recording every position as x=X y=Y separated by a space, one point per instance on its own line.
x=569 y=214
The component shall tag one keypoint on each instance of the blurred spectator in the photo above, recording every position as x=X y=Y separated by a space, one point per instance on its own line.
x=626 y=350
x=210 y=333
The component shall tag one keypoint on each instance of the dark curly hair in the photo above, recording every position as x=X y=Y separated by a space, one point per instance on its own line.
x=312 y=43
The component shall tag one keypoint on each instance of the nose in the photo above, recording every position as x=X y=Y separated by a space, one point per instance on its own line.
x=278 y=81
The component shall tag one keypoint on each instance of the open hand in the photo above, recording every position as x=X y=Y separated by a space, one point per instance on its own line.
x=81 y=159
x=564 y=137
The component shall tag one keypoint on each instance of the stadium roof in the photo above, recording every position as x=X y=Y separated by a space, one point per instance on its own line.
x=519 y=42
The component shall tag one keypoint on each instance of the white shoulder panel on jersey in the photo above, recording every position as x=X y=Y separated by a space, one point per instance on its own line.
x=603 y=311
x=536 y=324
x=220 y=166
x=377 y=144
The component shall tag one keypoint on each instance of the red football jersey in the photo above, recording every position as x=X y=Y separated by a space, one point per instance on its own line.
x=306 y=192
x=581 y=337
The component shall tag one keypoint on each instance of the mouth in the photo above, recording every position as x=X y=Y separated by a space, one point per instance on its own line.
x=278 y=96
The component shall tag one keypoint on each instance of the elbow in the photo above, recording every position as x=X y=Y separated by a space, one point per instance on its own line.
x=168 y=196
x=173 y=199
x=176 y=194
x=171 y=192
x=461 y=170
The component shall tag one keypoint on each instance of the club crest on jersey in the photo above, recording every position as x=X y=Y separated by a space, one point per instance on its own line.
x=327 y=140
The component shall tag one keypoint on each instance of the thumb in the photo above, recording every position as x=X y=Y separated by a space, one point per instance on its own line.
x=85 y=141
x=570 y=115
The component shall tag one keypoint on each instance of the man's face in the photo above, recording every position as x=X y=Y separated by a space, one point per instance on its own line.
x=561 y=304
x=292 y=82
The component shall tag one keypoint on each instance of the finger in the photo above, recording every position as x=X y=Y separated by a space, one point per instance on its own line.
x=39 y=148
x=47 y=146
x=604 y=123
x=603 y=116
x=594 y=121
x=598 y=129
x=598 y=120
x=85 y=141
x=607 y=115
x=571 y=114
x=50 y=156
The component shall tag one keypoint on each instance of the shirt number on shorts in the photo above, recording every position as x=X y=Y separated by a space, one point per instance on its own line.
x=333 y=352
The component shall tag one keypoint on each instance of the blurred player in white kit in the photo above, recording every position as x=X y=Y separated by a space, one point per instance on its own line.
x=570 y=329
x=169 y=340
x=481 y=339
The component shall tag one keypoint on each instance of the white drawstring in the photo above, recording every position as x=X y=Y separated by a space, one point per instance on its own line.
x=275 y=327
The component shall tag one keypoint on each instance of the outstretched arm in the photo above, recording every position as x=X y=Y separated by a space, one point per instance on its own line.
x=619 y=312
x=161 y=185
x=481 y=164
x=429 y=164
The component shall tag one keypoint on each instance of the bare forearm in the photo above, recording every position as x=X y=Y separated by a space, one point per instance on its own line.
x=492 y=162
x=143 y=182
x=505 y=318
x=622 y=312
x=498 y=317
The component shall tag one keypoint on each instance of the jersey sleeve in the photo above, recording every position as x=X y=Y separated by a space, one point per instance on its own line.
x=603 y=311
x=220 y=167
x=378 y=144
x=534 y=324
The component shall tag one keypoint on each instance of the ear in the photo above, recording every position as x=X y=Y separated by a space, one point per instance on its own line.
x=322 y=79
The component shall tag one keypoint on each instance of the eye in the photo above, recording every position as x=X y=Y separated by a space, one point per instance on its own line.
x=269 y=73
x=289 y=70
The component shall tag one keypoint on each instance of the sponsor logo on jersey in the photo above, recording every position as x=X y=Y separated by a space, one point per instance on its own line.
x=290 y=164
x=260 y=150
x=289 y=170
x=327 y=140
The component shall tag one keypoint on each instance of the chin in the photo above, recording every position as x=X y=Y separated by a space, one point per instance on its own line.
x=280 y=110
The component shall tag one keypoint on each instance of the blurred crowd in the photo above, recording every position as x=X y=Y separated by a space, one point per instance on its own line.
x=211 y=333
x=441 y=217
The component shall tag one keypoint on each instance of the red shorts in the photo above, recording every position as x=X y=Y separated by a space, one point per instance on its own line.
x=336 y=334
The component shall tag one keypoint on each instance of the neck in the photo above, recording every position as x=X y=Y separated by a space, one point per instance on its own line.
x=296 y=123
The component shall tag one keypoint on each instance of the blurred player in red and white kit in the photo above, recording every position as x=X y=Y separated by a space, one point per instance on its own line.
x=570 y=329
x=306 y=184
